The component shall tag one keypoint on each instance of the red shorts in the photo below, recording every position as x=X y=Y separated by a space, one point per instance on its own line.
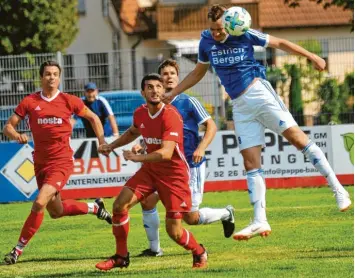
x=54 y=174
x=174 y=191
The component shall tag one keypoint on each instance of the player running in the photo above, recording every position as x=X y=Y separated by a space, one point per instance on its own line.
x=193 y=115
x=256 y=106
x=164 y=170
x=48 y=113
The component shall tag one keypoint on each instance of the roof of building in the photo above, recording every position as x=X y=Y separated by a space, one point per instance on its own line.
x=275 y=13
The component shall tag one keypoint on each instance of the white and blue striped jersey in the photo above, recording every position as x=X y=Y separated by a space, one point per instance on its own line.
x=233 y=59
x=193 y=114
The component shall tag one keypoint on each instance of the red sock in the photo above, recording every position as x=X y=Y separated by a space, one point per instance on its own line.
x=32 y=224
x=72 y=207
x=188 y=241
x=120 y=229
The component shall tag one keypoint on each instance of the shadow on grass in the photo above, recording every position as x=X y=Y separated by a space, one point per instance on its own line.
x=162 y=272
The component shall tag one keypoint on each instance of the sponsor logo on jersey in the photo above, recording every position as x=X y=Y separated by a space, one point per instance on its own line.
x=230 y=55
x=154 y=141
x=142 y=125
x=51 y=121
x=214 y=47
x=37 y=108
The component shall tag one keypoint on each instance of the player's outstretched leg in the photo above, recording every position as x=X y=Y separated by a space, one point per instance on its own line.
x=320 y=162
x=210 y=215
x=73 y=208
x=257 y=192
x=29 y=229
x=102 y=213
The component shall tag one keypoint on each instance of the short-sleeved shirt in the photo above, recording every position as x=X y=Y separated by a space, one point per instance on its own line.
x=102 y=109
x=49 y=121
x=193 y=115
x=165 y=125
x=233 y=59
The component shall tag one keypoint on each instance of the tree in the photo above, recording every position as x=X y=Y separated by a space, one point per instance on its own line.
x=329 y=95
x=37 y=26
x=346 y=98
x=295 y=98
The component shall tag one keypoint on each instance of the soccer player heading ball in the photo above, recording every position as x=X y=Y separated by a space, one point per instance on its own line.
x=256 y=106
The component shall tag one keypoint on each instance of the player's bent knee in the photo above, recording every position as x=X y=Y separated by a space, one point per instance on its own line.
x=39 y=205
x=54 y=215
x=119 y=206
x=148 y=204
x=192 y=218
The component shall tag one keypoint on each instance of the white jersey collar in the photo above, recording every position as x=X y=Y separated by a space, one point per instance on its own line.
x=156 y=114
x=50 y=99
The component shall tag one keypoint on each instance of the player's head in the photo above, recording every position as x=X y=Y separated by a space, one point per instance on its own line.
x=152 y=88
x=91 y=92
x=169 y=71
x=215 y=14
x=49 y=72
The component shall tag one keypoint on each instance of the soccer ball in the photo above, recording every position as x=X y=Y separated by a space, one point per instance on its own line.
x=236 y=21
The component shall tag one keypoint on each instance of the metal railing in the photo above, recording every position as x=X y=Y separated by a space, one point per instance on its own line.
x=123 y=70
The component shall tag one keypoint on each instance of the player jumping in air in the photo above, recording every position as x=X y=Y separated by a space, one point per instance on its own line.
x=49 y=113
x=193 y=115
x=256 y=106
x=164 y=170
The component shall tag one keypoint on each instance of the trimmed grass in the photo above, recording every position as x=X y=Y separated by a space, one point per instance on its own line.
x=310 y=238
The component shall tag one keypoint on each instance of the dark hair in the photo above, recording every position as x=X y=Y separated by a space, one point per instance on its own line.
x=150 y=76
x=168 y=63
x=49 y=63
x=216 y=12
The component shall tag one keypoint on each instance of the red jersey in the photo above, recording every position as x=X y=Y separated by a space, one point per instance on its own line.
x=49 y=121
x=165 y=125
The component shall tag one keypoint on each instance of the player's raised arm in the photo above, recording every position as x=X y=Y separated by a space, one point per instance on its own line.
x=293 y=48
x=10 y=129
x=95 y=123
x=189 y=81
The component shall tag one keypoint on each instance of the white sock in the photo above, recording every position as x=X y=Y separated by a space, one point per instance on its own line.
x=320 y=162
x=91 y=208
x=257 y=192
x=151 y=225
x=210 y=215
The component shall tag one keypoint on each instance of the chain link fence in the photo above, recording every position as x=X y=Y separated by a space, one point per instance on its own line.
x=122 y=71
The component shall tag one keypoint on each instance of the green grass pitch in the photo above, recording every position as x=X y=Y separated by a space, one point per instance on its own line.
x=310 y=238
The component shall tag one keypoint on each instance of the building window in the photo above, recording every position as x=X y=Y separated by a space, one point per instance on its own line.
x=99 y=69
x=68 y=74
x=81 y=7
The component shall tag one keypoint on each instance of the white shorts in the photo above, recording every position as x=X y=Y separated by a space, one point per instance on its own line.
x=197 y=182
x=258 y=108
